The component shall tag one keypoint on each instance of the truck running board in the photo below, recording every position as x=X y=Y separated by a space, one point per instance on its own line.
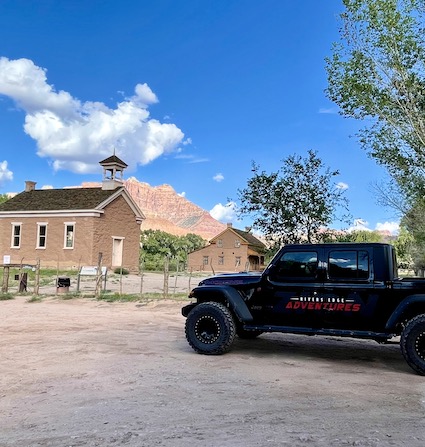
x=378 y=336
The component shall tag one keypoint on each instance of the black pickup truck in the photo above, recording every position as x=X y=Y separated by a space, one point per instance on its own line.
x=345 y=290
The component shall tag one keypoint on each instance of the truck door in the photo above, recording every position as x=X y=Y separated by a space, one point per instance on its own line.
x=292 y=288
x=349 y=296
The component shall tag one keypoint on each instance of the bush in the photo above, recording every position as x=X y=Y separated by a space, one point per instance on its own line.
x=121 y=271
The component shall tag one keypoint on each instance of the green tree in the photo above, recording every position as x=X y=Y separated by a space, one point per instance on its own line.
x=414 y=224
x=4 y=198
x=405 y=248
x=158 y=245
x=377 y=74
x=359 y=236
x=294 y=204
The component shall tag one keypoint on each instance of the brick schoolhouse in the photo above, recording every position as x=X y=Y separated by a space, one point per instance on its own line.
x=71 y=227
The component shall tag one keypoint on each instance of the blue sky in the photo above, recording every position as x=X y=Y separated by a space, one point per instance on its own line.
x=188 y=92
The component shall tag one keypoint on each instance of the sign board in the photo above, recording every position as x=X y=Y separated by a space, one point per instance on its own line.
x=91 y=270
x=6 y=259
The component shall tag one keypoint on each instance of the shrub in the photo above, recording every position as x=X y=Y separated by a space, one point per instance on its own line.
x=121 y=271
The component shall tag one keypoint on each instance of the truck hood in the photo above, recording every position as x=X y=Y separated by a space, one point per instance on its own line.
x=231 y=279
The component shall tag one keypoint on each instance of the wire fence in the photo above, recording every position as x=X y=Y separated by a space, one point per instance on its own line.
x=96 y=281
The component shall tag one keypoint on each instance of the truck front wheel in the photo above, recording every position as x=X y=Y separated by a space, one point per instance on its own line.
x=412 y=343
x=210 y=328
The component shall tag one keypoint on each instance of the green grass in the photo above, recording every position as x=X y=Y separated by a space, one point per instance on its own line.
x=34 y=299
x=137 y=298
x=6 y=296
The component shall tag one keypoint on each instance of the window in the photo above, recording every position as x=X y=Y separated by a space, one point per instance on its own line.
x=349 y=264
x=205 y=260
x=221 y=260
x=295 y=264
x=69 y=234
x=237 y=243
x=237 y=261
x=41 y=235
x=16 y=235
x=220 y=243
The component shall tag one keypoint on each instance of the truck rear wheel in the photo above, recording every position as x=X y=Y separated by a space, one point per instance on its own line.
x=412 y=343
x=210 y=328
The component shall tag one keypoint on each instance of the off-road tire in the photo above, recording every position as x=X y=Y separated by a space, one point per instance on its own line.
x=210 y=328
x=412 y=343
x=247 y=335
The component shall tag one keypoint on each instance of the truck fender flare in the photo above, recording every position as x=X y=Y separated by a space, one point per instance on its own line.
x=228 y=296
x=399 y=310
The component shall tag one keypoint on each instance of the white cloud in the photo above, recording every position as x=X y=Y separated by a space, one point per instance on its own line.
x=224 y=213
x=76 y=135
x=199 y=160
x=392 y=227
x=342 y=185
x=144 y=95
x=219 y=177
x=182 y=194
x=359 y=225
x=47 y=187
x=331 y=110
x=5 y=174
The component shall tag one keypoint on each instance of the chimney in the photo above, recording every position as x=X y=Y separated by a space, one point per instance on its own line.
x=29 y=186
x=229 y=225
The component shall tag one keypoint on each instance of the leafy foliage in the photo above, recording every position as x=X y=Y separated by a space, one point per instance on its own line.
x=405 y=249
x=295 y=203
x=158 y=245
x=4 y=198
x=377 y=72
x=413 y=223
x=358 y=236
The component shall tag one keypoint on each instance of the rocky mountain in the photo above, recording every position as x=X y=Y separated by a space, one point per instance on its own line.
x=165 y=210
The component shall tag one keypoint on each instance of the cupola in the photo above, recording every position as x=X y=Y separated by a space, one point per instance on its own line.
x=113 y=169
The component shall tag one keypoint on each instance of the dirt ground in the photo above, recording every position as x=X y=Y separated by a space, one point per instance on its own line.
x=82 y=372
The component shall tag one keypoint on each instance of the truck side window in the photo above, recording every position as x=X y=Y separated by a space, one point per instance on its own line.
x=349 y=264
x=301 y=264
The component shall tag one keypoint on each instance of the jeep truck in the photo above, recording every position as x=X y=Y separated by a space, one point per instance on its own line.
x=339 y=289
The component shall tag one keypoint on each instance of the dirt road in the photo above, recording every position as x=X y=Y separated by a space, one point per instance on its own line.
x=87 y=373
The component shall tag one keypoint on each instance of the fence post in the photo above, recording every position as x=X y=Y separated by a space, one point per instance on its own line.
x=175 y=279
x=37 y=278
x=190 y=279
x=141 y=267
x=166 y=274
x=5 y=285
x=98 y=276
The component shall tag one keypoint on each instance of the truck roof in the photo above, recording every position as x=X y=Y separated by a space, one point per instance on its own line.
x=339 y=245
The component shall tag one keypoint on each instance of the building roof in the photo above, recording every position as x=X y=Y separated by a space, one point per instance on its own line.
x=57 y=199
x=249 y=237
x=113 y=159
x=245 y=235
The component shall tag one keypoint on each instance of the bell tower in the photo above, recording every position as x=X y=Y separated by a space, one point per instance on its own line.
x=113 y=169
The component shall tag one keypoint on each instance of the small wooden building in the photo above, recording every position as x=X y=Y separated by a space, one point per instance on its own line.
x=232 y=250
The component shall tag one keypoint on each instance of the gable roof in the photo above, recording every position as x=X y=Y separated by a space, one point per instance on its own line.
x=249 y=238
x=57 y=199
x=72 y=199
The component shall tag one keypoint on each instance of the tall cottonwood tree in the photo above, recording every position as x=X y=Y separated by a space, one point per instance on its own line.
x=377 y=74
x=294 y=204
